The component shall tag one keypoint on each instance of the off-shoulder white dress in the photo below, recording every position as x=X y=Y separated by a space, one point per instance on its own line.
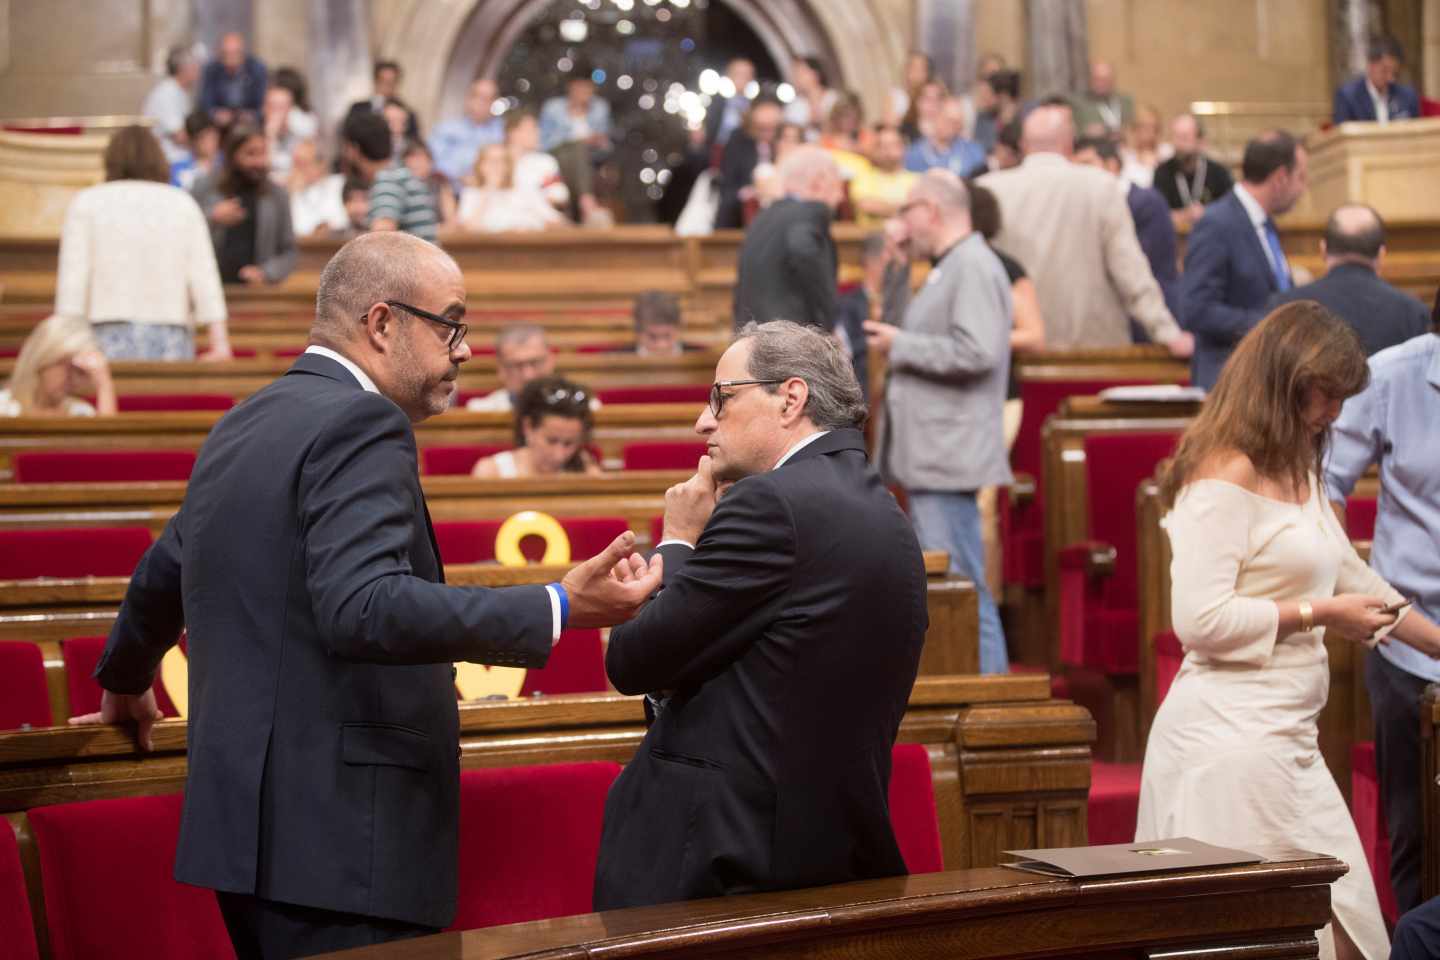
x=1233 y=756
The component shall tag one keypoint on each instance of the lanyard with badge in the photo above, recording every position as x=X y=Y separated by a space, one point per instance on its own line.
x=1109 y=112
x=1194 y=191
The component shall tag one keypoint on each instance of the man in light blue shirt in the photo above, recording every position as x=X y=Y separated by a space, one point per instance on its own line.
x=945 y=147
x=456 y=143
x=1392 y=423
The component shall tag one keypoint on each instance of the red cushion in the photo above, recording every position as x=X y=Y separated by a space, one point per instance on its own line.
x=71 y=552
x=576 y=665
x=288 y=352
x=17 y=931
x=463 y=397
x=1360 y=517
x=81 y=654
x=1369 y=814
x=473 y=541
x=1114 y=802
x=1022 y=533
x=676 y=455
x=243 y=353
x=697 y=393
x=24 y=698
x=912 y=809
x=1168 y=657
x=107 y=869
x=1099 y=615
x=605 y=348
x=138 y=402
x=457 y=460
x=9 y=352
x=104 y=466
x=529 y=840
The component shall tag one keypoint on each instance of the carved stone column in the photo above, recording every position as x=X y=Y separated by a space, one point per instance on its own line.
x=1352 y=24
x=945 y=31
x=1059 y=49
x=339 y=58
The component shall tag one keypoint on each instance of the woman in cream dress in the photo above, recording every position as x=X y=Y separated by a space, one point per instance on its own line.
x=1262 y=572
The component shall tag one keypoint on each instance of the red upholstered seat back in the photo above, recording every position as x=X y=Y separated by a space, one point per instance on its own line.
x=1360 y=517
x=675 y=455
x=171 y=402
x=1115 y=466
x=912 y=809
x=657 y=531
x=529 y=839
x=71 y=552
x=24 y=698
x=576 y=665
x=611 y=347
x=81 y=654
x=17 y=932
x=473 y=541
x=1369 y=814
x=103 y=466
x=696 y=393
x=456 y=460
x=107 y=868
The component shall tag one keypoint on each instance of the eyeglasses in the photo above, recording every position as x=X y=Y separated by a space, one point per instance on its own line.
x=457 y=329
x=718 y=396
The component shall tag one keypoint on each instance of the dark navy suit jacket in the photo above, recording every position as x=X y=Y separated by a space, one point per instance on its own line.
x=1381 y=315
x=1156 y=233
x=323 y=729
x=1352 y=101
x=1225 y=287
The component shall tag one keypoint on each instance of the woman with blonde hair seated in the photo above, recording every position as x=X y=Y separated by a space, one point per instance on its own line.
x=553 y=420
x=1262 y=576
x=59 y=361
x=497 y=205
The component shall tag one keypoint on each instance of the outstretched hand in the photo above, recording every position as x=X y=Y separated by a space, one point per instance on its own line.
x=124 y=708
x=599 y=597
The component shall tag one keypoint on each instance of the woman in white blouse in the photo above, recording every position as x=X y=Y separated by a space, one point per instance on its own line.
x=1262 y=574
x=497 y=204
x=137 y=262
x=58 y=363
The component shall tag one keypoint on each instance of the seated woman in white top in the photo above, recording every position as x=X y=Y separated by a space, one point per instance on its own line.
x=1262 y=574
x=553 y=421
x=497 y=204
x=59 y=362
x=137 y=262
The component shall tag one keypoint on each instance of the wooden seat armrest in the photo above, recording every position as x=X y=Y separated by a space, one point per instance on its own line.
x=1022 y=490
x=1095 y=557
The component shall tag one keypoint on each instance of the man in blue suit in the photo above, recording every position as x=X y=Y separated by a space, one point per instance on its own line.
x=1234 y=262
x=1374 y=95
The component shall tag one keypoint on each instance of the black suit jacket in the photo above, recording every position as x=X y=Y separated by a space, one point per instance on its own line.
x=1380 y=314
x=789 y=637
x=787 y=266
x=323 y=730
x=737 y=171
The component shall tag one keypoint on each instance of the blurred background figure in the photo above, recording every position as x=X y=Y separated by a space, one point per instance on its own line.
x=497 y=204
x=249 y=215
x=553 y=421
x=59 y=364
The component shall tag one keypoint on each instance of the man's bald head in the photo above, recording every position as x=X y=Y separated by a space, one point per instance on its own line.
x=942 y=188
x=1102 y=78
x=371 y=268
x=1048 y=130
x=1354 y=232
x=810 y=173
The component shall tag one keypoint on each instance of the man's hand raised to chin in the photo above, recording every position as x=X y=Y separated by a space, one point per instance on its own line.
x=598 y=599
x=688 y=505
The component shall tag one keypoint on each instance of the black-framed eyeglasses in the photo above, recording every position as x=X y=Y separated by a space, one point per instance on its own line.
x=718 y=396
x=457 y=329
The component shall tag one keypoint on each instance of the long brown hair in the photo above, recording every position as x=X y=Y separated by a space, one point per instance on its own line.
x=231 y=183
x=133 y=153
x=1255 y=407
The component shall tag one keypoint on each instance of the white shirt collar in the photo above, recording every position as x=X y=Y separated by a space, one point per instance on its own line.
x=1381 y=101
x=799 y=445
x=365 y=382
x=1257 y=213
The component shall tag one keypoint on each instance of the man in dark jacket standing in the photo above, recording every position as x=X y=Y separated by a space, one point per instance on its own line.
x=787 y=264
x=322 y=792
x=780 y=653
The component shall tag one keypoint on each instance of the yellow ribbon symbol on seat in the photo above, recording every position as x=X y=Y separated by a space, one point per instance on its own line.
x=477 y=681
x=175 y=674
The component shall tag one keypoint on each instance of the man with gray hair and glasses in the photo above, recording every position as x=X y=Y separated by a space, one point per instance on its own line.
x=522 y=354
x=322 y=797
x=780 y=652
x=942 y=433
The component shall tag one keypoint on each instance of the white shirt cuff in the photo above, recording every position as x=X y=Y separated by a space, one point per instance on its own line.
x=666 y=543
x=554 y=613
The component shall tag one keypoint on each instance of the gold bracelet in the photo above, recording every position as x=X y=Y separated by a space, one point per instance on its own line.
x=1307 y=616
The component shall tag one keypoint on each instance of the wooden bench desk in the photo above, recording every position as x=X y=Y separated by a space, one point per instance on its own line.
x=1271 y=910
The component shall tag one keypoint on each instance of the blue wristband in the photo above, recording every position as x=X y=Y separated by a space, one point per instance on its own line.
x=564 y=604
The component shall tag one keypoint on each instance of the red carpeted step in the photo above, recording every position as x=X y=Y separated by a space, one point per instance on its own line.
x=1370 y=823
x=1114 y=801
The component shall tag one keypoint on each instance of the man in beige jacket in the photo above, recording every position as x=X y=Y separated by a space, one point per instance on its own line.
x=1070 y=227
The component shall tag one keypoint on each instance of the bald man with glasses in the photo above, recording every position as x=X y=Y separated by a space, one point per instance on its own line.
x=322 y=791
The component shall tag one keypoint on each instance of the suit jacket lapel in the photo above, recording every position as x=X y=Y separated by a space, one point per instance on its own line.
x=1256 y=246
x=434 y=544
